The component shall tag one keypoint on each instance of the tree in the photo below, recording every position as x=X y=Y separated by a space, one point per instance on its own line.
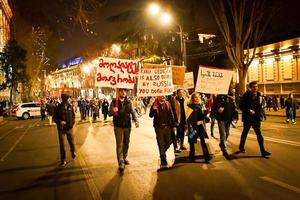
x=12 y=64
x=242 y=24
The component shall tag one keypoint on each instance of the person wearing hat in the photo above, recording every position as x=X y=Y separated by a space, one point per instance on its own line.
x=122 y=110
x=64 y=117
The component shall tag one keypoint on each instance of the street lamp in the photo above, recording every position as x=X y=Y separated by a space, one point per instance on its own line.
x=154 y=9
x=166 y=19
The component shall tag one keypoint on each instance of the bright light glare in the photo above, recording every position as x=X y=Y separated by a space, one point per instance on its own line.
x=165 y=18
x=154 y=9
x=86 y=69
x=116 y=48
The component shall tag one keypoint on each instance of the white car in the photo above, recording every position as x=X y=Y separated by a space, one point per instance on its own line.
x=27 y=110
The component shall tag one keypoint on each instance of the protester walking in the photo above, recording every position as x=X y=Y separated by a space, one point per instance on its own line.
x=163 y=122
x=225 y=111
x=64 y=117
x=212 y=116
x=50 y=110
x=196 y=127
x=180 y=105
x=122 y=110
x=252 y=115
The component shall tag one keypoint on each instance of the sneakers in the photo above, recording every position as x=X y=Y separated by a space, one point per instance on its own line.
x=240 y=151
x=126 y=162
x=227 y=156
x=293 y=121
x=73 y=155
x=121 y=166
x=287 y=121
x=63 y=163
x=265 y=154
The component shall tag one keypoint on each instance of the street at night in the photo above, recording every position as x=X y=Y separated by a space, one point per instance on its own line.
x=29 y=167
x=149 y=100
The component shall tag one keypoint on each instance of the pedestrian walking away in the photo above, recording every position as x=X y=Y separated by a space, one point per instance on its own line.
x=122 y=110
x=163 y=122
x=290 y=109
x=104 y=108
x=252 y=115
x=64 y=117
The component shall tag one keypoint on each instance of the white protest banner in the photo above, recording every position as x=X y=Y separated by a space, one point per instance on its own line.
x=116 y=73
x=213 y=80
x=188 y=80
x=155 y=82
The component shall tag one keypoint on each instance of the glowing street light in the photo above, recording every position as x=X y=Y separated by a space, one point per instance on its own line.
x=86 y=69
x=165 y=18
x=116 y=48
x=154 y=9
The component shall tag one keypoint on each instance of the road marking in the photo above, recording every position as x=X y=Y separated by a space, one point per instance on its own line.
x=276 y=140
x=3 y=136
x=281 y=184
x=88 y=178
x=16 y=143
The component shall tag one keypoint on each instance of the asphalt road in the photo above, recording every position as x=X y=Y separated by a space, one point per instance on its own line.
x=29 y=165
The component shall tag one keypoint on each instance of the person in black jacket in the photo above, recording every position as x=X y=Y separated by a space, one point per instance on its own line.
x=64 y=117
x=252 y=115
x=224 y=110
x=196 y=127
x=290 y=109
x=104 y=108
x=122 y=110
x=163 y=122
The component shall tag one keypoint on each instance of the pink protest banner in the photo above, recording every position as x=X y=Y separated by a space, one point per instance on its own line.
x=213 y=80
x=155 y=82
x=116 y=73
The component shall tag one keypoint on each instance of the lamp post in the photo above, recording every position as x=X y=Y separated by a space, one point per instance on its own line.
x=166 y=19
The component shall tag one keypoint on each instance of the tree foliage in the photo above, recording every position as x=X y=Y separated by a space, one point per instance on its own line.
x=242 y=24
x=12 y=62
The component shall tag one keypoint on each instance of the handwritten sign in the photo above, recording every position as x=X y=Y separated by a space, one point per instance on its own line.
x=178 y=75
x=155 y=82
x=213 y=81
x=116 y=73
x=188 y=82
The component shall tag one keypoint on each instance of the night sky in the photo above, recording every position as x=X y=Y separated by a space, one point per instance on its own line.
x=71 y=38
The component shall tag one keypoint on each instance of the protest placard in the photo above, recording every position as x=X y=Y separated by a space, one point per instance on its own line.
x=155 y=82
x=116 y=73
x=178 y=73
x=213 y=80
x=188 y=82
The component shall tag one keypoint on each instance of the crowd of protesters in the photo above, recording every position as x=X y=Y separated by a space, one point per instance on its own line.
x=174 y=117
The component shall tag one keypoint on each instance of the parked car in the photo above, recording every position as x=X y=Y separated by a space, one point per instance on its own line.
x=26 y=110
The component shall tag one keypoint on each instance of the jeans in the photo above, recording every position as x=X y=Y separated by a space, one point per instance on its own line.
x=122 y=142
x=255 y=124
x=291 y=114
x=200 y=131
x=70 y=138
x=212 y=124
x=224 y=127
x=163 y=137
x=180 y=133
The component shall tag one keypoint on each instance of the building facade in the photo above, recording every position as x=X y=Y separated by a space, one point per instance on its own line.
x=5 y=20
x=276 y=67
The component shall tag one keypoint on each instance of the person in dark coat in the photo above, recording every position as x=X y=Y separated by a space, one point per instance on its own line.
x=225 y=111
x=252 y=115
x=64 y=117
x=290 y=109
x=122 y=110
x=50 y=109
x=196 y=127
x=163 y=122
x=105 y=106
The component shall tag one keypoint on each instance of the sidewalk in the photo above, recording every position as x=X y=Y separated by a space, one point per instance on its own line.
x=281 y=113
